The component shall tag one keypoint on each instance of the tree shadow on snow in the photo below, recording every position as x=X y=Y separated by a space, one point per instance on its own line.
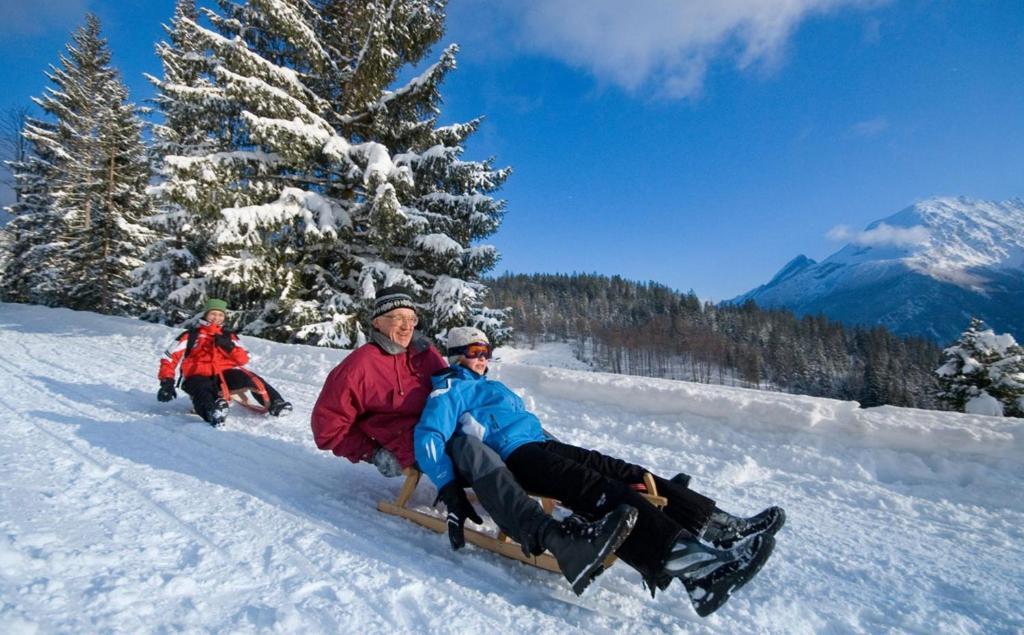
x=63 y=323
x=125 y=402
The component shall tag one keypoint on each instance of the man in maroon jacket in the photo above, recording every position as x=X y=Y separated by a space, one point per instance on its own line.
x=371 y=401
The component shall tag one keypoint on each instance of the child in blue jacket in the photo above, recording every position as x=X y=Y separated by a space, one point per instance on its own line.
x=663 y=545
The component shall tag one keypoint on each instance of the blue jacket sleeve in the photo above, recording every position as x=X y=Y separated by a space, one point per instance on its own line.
x=435 y=427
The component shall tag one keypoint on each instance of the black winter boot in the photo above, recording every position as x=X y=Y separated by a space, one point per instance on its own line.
x=725 y=530
x=681 y=479
x=580 y=547
x=218 y=413
x=712 y=575
x=279 y=407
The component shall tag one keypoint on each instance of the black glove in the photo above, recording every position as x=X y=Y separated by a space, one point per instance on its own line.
x=166 y=392
x=459 y=509
x=224 y=341
x=386 y=463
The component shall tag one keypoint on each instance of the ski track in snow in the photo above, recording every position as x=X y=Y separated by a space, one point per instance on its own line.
x=122 y=514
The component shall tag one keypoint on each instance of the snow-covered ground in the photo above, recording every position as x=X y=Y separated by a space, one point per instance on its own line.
x=122 y=514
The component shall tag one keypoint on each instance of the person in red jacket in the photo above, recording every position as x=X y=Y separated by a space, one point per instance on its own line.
x=370 y=402
x=212 y=365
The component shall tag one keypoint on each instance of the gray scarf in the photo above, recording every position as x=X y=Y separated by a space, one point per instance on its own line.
x=418 y=343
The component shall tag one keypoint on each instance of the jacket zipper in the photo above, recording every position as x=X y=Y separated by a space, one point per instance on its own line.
x=398 y=374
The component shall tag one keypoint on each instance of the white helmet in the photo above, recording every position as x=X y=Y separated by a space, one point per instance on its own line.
x=461 y=336
x=464 y=335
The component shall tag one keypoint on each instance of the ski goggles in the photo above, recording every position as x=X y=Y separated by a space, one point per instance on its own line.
x=472 y=351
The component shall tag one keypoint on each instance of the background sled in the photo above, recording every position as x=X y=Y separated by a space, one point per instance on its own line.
x=499 y=544
x=241 y=397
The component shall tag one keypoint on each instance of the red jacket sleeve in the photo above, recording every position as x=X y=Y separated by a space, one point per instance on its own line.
x=335 y=413
x=238 y=354
x=169 y=362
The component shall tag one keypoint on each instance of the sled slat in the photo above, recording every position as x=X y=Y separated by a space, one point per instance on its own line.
x=480 y=539
x=500 y=544
x=652 y=492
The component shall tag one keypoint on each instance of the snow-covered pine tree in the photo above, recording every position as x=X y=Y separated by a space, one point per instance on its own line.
x=329 y=184
x=32 y=238
x=95 y=173
x=168 y=280
x=111 y=250
x=983 y=373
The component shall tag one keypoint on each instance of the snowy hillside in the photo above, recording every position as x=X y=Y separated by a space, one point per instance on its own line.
x=122 y=514
x=923 y=271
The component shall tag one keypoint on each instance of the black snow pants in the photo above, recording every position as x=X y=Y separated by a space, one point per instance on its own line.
x=685 y=506
x=516 y=513
x=592 y=484
x=206 y=389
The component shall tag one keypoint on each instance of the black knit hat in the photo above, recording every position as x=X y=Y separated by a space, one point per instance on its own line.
x=390 y=299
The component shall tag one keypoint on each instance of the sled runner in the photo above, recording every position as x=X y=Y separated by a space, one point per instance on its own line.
x=500 y=544
x=241 y=397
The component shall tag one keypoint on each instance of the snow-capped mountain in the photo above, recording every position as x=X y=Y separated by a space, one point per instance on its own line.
x=923 y=271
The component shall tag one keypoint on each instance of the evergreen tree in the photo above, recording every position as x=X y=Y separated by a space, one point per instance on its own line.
x=648 y=329
x=982 y=366
x=322 y=183
x=167 y=283
x=32 y=241
x=82 y=192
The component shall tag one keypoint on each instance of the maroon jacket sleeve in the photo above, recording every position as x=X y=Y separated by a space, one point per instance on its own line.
x=335 y=414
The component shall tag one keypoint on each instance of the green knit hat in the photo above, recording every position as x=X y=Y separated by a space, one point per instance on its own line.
x=213 y=304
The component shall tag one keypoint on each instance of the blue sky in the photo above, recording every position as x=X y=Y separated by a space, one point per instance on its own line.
x=698 y=144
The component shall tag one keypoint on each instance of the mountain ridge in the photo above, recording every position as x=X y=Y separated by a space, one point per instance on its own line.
x=925 y=270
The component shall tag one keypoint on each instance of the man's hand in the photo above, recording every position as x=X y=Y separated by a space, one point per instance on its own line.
x=459 y=509
x=386 y=463
x=223 y=340
x=166 y=392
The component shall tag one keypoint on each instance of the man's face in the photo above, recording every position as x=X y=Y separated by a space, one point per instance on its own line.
x=213 y=316
x=398 y=325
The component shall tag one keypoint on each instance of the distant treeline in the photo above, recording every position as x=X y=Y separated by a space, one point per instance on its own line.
x=648 y=329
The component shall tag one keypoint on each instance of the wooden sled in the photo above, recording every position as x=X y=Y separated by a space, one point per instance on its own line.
x=499 y=544
x=241 y=397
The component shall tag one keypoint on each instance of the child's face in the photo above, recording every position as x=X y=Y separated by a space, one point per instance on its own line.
x=478 y=364
x=213 y=316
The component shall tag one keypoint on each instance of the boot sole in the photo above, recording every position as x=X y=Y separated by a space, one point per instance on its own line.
x=594 y=569
x=723 y=589
x=218 y=418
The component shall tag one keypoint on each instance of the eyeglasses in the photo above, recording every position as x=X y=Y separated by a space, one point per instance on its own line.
x=403 y=320
x=472 y=351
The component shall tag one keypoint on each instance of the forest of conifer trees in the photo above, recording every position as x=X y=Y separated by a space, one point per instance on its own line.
x=648 y=329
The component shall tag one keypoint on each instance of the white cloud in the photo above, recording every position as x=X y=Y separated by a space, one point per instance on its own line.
x=870 y=127
x=882 y=235
x=664 y=44
x=839 y=233
x=24 y=18
x=872 y=33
